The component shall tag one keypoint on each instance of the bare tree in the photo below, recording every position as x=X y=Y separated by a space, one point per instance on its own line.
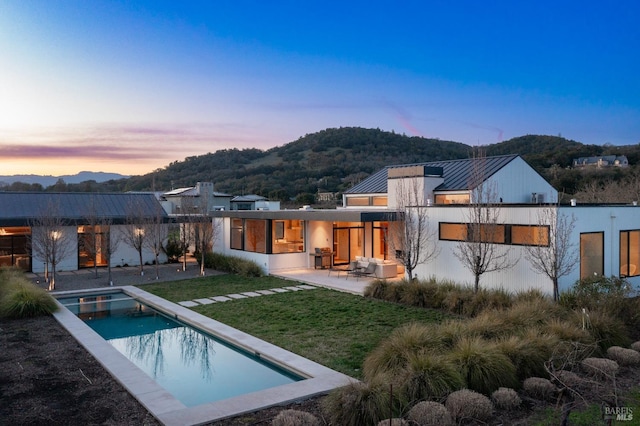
x=156 y=236
x=135 y=233
x=552 y=252
x=413 y=240
x=49 y=240
x=113 y=241
x=482 y=252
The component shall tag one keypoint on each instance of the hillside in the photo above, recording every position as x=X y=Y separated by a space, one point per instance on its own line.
x=333 y=160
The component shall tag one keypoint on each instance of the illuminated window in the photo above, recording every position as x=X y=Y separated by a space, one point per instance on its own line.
x=92 y=246
x=255 y=235
x=452 y=199
x=629 y=253
x=591 y=254
x=530 y=235
x=453 y=231
x=379 y=201
x=357 y=201
x=287 y=236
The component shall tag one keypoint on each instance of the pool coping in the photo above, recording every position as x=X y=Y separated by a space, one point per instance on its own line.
x=164 y=406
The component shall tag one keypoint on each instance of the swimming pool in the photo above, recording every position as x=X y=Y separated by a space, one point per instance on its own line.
x=193 y=366
x=166 y=407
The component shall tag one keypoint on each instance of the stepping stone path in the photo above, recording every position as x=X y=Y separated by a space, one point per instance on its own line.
x=245 y=295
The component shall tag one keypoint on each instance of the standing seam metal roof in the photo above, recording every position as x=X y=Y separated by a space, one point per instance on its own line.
x=457 y=174
x=21 y=207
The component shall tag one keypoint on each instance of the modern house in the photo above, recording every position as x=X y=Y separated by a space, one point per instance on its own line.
x=89 y=222
x=191 y=199
x=605 y=237
x=602 y=161
x=253 y=202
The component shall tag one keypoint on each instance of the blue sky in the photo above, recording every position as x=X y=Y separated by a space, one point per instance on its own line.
x=131 y=86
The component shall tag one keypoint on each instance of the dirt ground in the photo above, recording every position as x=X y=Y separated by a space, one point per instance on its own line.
x=47 y=378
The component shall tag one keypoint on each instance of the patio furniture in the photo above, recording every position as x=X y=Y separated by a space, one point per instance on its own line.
x=359 y=271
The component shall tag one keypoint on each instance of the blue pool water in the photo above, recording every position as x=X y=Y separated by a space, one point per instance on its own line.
x=193 y=366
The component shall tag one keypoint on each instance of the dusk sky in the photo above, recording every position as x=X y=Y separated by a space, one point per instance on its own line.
x=131 y=86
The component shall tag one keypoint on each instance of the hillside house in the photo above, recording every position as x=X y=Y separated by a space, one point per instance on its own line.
x=601 y=161
x=193 y=199
x=81 y=216
x=607 y=238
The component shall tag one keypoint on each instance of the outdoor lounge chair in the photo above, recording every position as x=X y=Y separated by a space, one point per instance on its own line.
x=369 y=270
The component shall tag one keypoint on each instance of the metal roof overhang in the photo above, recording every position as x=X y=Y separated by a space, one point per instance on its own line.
x=345 y=215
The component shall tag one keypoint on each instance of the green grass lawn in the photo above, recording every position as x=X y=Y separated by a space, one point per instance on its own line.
x=335 y=329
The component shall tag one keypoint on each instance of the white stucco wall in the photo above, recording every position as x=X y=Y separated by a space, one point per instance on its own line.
x=516 y=181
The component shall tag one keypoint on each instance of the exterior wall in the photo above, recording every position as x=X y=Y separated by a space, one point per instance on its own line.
x=124 y=255
x=516 y=181
x=607 y=219
x=416 y=189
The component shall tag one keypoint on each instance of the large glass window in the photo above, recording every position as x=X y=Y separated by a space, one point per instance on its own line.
x=591 y=254
x=357 y=201
x=380 y=243
x=287 y=236
x=453 y=231
x=379 y=200
x=92 y=246
x=236 y=234
x=255 y=235
x=452 y=199
x=530 y=235
x=629 y=253
x=14 y=247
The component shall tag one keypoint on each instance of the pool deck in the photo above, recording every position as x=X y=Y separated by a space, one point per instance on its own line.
x=166 y=408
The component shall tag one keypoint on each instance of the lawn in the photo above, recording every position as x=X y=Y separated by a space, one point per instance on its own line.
x=335 y=329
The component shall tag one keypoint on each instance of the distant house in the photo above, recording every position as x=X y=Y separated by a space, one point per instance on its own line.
x=20 y=212
x=253 y=202
x=190 y=199
x=325 y=197
x=602 y=161
x=606 y=238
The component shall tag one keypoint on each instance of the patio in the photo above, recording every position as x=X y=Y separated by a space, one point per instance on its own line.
x=329 y=278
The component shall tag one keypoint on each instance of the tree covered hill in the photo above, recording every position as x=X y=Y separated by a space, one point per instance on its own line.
x=332 y=160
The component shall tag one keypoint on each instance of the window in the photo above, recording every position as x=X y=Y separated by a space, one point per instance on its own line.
x=486 y=233
x=236 y=234
x=255 y=235
x=453 y=231
x=530 y=235
x=452 y=199
x=288 y=236
x=379 y=201
x=629 y=253
x=357 y=201
x=380 y=243
x=591 y=254
x=92 y=246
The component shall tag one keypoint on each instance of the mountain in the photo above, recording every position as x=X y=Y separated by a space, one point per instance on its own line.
x=333 y=160
x=46 y=181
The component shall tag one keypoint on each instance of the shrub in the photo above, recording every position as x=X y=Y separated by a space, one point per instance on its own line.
x=606 y=329
x=506 y=399
x=24 y=300
x=636 y=346
x=420 y=293
x=623 y=356
x=295 y=418
x=600 y=367
x=360 y=403
x=567 y=378
x=393 y=422
x=485 y=299
x=539 y=387
x=567 y=330
x=483 y=366
x=428 y=376
x=531 y=295
x=528 y=355
x=232 y=264
x=467 y=404
x=429 y=413
x=393 y=353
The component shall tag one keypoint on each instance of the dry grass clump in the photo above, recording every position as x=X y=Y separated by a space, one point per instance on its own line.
x=623 y=356
x=429 y=413
x=483 y=366
x=428 y=376
x=295 y=418
x=394 y=352
x=539 y=387
x=600 y=367
x=636 y=346
x=567 y=330
x=506 y=399
x=20 y=298
x=393 y=422
x=360 y=403
x=568 y=378
x=606 y=329
x=467 y=404
x=528 y=355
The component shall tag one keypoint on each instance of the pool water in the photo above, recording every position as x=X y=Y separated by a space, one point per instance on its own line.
x=193 y=366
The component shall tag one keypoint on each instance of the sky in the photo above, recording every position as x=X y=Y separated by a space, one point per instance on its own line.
x=132 y=86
